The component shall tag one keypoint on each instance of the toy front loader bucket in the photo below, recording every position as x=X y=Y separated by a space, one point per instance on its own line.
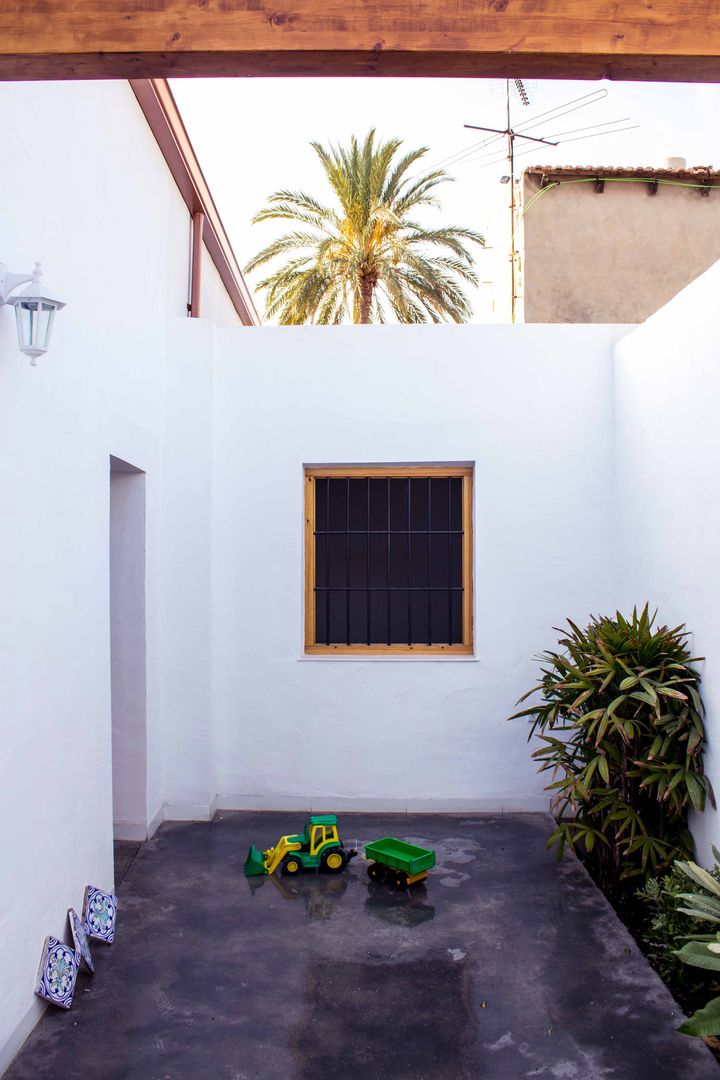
x=255 y=863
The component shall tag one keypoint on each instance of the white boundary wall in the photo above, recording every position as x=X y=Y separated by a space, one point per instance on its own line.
x=531 y=408
x=667 y=482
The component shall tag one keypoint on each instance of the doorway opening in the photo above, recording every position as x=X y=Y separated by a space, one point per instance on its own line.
x=128 y=651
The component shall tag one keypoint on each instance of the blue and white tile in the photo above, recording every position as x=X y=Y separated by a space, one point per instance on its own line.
x=80 y=941
x=99 y=914
x=58 y=973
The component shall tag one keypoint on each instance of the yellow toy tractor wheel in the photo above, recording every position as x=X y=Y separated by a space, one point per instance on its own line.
x=334 y=862
x=291 y=865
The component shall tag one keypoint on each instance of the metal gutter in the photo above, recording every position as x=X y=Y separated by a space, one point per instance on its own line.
x=162 y=114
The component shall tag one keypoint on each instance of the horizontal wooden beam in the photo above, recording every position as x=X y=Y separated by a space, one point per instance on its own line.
x=653 y=40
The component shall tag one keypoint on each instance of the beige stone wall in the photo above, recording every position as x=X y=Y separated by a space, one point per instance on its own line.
x=614 y=257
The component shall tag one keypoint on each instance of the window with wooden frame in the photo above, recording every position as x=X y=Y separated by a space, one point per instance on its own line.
x=388 y=559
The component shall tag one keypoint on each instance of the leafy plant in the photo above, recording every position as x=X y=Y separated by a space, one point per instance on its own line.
x=621 y=731
x=366 y=257
x=702 y=950
x=663 y=924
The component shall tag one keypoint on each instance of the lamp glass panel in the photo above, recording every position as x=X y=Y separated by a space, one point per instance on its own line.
x=34 y=323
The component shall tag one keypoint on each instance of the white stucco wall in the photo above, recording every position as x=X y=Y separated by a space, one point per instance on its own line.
x=667 y=469
x=532 y=409
x=84 y=187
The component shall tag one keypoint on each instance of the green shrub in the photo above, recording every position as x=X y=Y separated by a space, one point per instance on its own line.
x=702 y=950
x=664 y=925
x=621 y=728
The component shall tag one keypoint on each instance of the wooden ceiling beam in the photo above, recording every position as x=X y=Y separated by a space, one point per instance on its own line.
x=650 y=40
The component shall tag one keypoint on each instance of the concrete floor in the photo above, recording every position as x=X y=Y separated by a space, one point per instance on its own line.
x=506 y=966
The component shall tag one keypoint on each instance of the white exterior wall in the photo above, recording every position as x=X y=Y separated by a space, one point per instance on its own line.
x=667 y=469
x=532 y=409
x=84 y=187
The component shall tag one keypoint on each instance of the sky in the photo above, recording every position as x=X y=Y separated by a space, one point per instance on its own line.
x=252 y=137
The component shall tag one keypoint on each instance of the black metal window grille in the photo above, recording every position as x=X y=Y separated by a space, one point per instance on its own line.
x=388 y=560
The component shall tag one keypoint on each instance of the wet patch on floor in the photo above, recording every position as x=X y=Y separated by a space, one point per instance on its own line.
x=353 y=1007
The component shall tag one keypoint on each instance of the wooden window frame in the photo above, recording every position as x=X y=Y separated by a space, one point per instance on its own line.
x=314 y=472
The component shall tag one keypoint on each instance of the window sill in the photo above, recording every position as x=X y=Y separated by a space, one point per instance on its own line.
x=390 y=658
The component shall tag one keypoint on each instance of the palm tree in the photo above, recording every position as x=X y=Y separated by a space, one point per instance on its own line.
x=368 y=257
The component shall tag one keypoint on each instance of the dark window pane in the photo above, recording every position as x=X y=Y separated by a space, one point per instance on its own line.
x=419 y=514
x=439 y=514
x=419 y=612
x=321 y=494
x=399 y=630
x=399 y=504
x=358 y=617
x=378 y=618
x=358 y=504
x=439 y=561
x=456 y=622
x=378 y=560
x=398 y=560
x=321 y=618
x=338 y=617
x=419 y=559
x=456 y=542
x=320 y=551
x=337 y=569
x=456 y=503
x=440 y=615
x=378 y=504
x=338 y=504
x=358 y=546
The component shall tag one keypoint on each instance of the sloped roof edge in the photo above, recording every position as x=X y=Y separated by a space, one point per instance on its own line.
x=163 y=116
x=695 y=172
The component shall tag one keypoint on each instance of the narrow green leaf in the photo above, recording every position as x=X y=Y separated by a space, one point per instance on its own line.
x=705 y=1021
x=695 y=791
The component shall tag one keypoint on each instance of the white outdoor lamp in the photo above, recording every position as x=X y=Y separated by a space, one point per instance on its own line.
x=34 y=309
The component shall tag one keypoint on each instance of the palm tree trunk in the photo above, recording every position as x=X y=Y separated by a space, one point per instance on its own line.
x=366 y=296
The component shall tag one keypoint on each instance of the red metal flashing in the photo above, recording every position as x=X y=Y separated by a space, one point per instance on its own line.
x=162 y=114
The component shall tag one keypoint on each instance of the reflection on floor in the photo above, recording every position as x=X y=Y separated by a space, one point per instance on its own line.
x=503 y=966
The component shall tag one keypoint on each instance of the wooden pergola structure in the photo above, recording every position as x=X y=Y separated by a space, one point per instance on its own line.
x=652 y=40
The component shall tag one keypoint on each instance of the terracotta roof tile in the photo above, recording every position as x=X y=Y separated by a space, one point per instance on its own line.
x=694 y=172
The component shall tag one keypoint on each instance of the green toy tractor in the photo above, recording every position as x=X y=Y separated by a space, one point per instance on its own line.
x=318 y=847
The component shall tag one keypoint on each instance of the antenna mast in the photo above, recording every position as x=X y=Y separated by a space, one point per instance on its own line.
x=509 y=132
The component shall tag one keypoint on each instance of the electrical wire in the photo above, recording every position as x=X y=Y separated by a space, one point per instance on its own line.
x=527 y=125
x=562 y=110
x=536 y=149
x=453 y=158
x=615 y=180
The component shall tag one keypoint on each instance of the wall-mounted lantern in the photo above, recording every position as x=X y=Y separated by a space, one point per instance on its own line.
x=34 y=309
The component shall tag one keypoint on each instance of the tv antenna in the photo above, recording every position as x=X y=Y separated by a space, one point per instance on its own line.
x=511 y=134
x=488 y=153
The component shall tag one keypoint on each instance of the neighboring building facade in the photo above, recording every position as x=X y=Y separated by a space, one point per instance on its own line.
x=612 y=245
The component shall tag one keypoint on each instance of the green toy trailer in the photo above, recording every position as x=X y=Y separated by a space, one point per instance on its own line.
x=318 y=847
x=400 y=863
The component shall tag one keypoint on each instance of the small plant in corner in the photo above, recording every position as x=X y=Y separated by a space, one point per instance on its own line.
x=620 y=722
x=702 y=950
x=663 y=924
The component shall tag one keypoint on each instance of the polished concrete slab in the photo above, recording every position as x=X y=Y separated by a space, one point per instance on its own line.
x=505 y=966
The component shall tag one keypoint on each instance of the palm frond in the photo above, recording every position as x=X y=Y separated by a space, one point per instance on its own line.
x=366 y=259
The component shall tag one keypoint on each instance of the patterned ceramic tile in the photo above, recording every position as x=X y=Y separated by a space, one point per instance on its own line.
x=82 y=948
x=99 y=914
x=57 y=974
